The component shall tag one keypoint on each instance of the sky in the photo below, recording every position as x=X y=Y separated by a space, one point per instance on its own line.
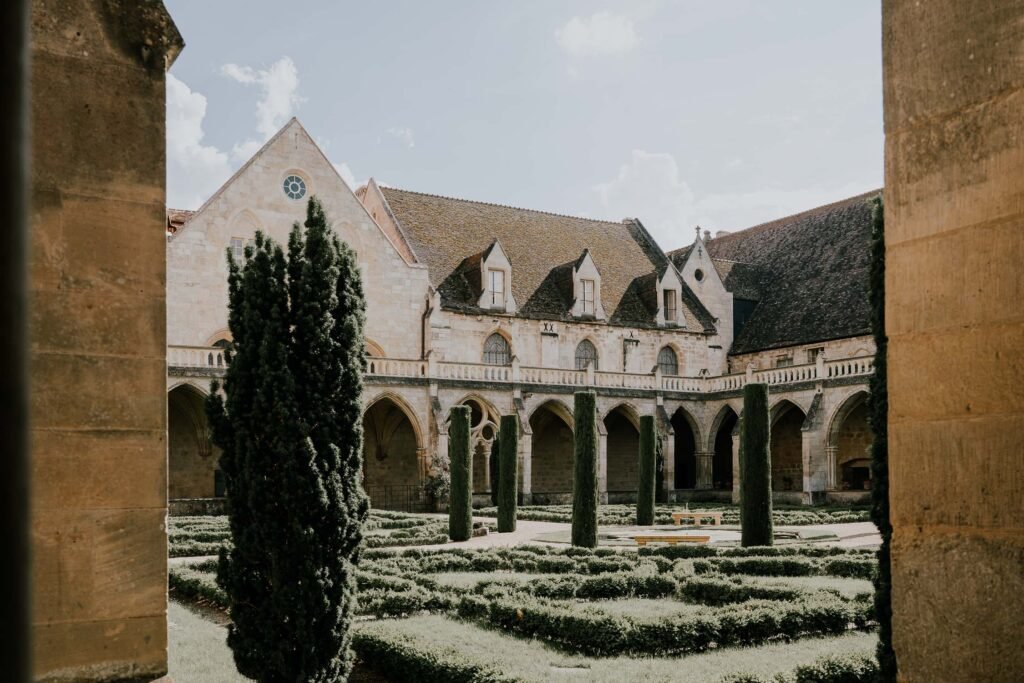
x=717 y=113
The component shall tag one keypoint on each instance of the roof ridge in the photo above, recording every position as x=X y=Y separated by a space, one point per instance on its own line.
x=796 y=216
x=504 y=206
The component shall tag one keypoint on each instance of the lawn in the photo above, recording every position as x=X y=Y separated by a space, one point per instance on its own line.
x=534 y=613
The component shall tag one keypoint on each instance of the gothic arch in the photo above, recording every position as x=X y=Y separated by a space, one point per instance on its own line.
x=487 y=339
x=787 y=419
x=849 y=438
x=628 y=410
x=685 y=444
x=373 y=349
x=403 y=406
x=191 y=465
x=557 y=407
x=586 y=345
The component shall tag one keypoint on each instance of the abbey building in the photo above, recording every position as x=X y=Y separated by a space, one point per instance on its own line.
x=513 y=310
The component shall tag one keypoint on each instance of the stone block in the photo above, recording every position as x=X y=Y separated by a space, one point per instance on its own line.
x=944 y=175
x=957 y=472
x=77 y=321
x=98 y=469
x=98 y=392
x=961 y=373
x=932 y=78
x=957 y=601
x=964 y=295
x=132 y=649
x=95 y=565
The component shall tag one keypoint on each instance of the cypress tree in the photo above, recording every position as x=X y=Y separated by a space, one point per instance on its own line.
x=460 y=506
x=493 y=465
x=878 y=408
x=584 y=481
x=508 y=480
x=290 y=429
x=756 y=468
x=648 y=465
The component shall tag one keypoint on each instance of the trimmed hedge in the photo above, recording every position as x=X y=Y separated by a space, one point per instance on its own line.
x=829 y=669
x=592 y=633
x=508 y=480
x=716 y=592
x=755 y=468
x=460 y=505
x=648 y=466
x=396 y=659
x=584 y=481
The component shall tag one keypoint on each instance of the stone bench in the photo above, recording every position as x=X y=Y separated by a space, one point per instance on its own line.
x=715 y=517
x=671 y=540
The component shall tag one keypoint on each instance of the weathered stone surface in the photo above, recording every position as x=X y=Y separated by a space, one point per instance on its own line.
x=98 y=370
x=954 y=115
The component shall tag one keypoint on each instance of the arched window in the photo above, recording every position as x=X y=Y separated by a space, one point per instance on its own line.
x=497 y=351
x=667 y=361
x=585 y=355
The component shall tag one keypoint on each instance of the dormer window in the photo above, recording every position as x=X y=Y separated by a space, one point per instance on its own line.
x=588 y=297
x=495 y=280
x=669 y=305
x=496 y=289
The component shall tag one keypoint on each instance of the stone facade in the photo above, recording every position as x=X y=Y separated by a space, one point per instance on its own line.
x=430 y=350
x=954 y=223
x=98 y=412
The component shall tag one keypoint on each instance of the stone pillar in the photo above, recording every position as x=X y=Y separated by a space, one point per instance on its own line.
x=832 y=475
x=815 y=466
x=736 y=462
x=954 y=228
x=602 y=466
x=704 y=474
x=525 y=466
x=668 y=451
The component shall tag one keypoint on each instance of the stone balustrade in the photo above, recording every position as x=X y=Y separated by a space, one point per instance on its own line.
x=203 y=358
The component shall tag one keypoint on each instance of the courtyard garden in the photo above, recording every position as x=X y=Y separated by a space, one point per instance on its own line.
x=431 y=610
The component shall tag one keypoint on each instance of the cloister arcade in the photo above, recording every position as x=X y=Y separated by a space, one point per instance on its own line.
x=819 y=444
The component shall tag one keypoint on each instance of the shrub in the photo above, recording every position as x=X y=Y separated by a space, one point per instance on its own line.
x=493 y=468
x=290 y=428
x=508 y=481
x=679 y=552
x=855 y=569
x=648 y=466
x=767 y=566
x=460 y=506
x=714 y=591
x=755 y=467
x=584 y=481
x=555 y=564
x=398 y=660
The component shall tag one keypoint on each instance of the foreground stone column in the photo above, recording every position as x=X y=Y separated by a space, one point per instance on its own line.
x=954 y=229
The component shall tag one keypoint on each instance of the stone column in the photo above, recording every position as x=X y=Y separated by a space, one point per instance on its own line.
x=602 y=467
x=832 y=475
x=736 y=463
x=525 y=466
x=668 y=452
x=704 y=469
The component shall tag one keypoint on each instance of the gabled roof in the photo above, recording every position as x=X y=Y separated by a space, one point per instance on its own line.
x=809 y=272
x=542 y=247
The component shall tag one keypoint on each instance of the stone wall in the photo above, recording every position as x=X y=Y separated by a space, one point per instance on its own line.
x=98 y=412
x=954 y=218
x=851 y=347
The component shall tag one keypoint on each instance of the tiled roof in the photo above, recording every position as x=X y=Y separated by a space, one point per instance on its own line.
x=449 y=235
x=809 y=272
x=176 y=218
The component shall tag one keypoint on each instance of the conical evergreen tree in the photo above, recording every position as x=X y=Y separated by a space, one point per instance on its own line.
x=290 y=429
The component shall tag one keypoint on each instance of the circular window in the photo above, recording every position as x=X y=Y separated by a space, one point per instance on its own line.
x=699 y=274
x=294 y=187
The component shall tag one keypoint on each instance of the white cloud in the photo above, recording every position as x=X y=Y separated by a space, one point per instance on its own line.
x=649 y=187
x=404 y=134
x=603 y=33
x=279 y=98
x=347 y=175
x=194 y=170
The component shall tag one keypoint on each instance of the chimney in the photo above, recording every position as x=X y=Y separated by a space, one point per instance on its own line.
x=707 y=235
x=721 y=232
